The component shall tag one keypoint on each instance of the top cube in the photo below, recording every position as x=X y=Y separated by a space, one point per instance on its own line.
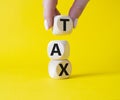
x=62 y=25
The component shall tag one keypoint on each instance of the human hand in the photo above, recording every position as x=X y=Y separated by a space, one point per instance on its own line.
x=50 y=11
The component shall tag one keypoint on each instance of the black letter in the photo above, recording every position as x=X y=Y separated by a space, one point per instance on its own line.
x=55 y=51
x=64 y=23
x=63 y=69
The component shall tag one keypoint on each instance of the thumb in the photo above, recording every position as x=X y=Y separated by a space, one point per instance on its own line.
x=49 y=12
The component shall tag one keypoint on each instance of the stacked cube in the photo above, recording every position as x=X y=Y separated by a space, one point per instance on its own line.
x=59 y=50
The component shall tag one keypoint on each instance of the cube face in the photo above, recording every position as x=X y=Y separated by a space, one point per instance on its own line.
x=59 y=69
x=62 y=25
x=58 y=49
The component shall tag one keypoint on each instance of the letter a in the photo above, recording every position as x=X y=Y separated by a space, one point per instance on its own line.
x=55 y=50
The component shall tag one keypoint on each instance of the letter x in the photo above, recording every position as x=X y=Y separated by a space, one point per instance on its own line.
x=63 y=69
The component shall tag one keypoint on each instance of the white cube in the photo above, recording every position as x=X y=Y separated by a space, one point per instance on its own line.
x=58 y=49
x=62 y=24
x=59 y=69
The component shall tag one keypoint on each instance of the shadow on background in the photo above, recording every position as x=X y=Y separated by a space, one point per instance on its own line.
x=93 y=74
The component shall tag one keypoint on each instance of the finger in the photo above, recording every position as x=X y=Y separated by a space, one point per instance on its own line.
x=77 y=9
x=57 y=12
x=49 y=12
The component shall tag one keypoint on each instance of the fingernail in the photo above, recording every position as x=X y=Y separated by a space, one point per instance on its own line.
x=46 y=25
x=75 y=22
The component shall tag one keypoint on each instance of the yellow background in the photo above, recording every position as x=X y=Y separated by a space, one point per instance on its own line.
x=95 y=52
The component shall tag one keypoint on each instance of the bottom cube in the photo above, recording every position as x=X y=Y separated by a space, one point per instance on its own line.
x=59 y=69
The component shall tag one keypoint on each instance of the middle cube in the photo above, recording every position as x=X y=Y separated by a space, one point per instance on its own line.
x=58 y=49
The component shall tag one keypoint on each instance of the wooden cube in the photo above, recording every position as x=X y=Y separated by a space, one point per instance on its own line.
x=59 y=69
x=58 y=49
x=62 y=24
